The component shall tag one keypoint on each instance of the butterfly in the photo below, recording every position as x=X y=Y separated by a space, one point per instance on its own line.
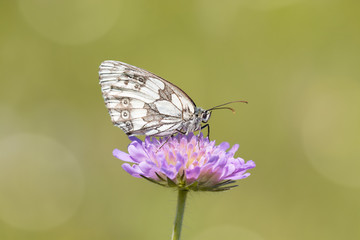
x=142 y=103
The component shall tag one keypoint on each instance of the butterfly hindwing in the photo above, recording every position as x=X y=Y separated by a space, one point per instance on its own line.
x=141 y=103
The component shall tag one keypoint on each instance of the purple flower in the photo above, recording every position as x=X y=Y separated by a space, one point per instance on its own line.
x=188 y=162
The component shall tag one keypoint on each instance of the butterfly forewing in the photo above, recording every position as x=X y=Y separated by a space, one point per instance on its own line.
x=141 y=103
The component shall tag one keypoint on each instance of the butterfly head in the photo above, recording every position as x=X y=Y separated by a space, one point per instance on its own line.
x=205 y=116
x=202 y=115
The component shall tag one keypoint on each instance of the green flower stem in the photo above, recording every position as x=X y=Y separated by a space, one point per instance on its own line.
x=179 y=214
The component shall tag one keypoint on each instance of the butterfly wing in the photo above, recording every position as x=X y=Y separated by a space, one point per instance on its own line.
x=141 y=103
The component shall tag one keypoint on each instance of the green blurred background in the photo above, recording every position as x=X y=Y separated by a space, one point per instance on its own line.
x=295 y=61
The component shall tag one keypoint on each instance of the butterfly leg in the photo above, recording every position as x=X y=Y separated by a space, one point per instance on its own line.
x=208 y=128
x=180 y=132
x=165 y=142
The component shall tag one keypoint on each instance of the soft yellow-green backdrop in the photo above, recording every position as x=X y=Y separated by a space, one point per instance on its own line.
x=297 y=62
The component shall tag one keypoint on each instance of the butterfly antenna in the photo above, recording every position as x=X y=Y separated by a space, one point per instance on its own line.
x=229 y=108
x=218 y=106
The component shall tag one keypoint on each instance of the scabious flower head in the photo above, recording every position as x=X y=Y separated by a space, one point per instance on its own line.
x=188 y=162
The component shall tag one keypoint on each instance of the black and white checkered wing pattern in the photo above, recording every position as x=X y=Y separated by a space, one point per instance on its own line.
x=141 y=103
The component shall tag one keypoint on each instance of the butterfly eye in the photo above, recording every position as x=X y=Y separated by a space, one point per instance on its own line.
x=205 y=116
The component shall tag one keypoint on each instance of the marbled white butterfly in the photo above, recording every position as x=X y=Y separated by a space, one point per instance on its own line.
x=141 y=103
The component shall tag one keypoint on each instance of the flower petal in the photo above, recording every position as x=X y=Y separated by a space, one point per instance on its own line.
x=131 y=170
x=135 y=139
x=137 y=152
x=122 y=156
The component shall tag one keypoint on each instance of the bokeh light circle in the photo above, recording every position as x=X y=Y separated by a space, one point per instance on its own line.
x=331 y=130
x=8 y=121
x=71 y=21
x=41 y=182
x=227 y=232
